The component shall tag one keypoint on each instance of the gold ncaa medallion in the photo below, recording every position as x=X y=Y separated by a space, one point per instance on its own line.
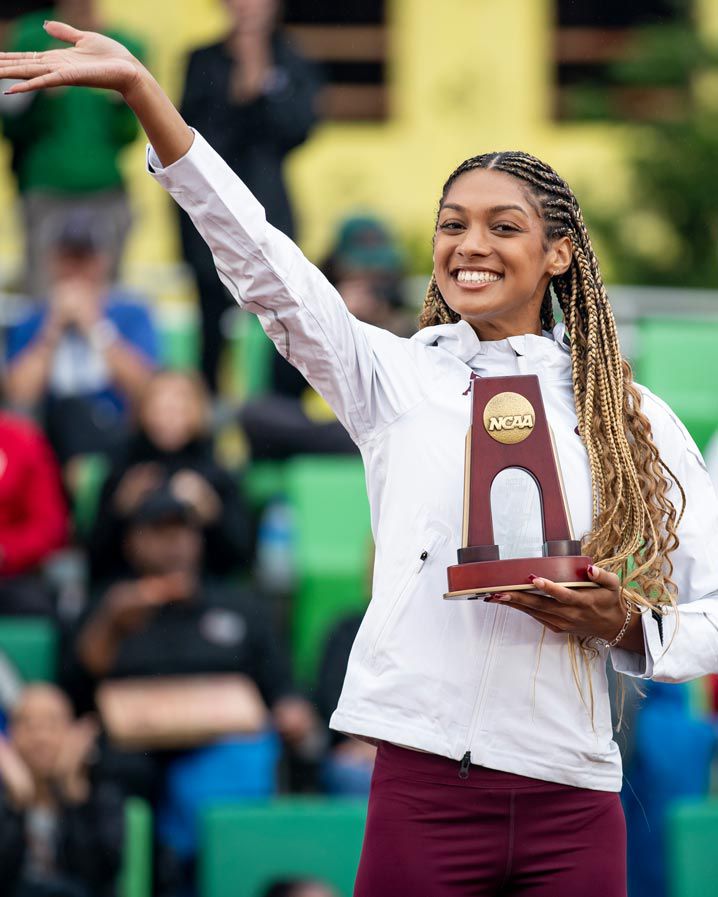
x=509 y=418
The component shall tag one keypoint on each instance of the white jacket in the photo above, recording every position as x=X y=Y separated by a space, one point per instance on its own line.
x=452 y=677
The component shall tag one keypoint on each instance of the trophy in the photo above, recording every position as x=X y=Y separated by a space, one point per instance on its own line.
x=509 y=430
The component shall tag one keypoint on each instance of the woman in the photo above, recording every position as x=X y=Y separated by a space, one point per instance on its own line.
x=172 y=448
x=512 y=784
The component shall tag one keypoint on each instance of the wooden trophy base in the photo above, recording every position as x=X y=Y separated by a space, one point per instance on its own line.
x=472 y=580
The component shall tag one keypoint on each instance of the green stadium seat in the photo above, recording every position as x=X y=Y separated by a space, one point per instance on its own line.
x=30 y=644
x=330 y=511
x=180 y=344
x=136 y=874
x=251 y=354
x=244 y=848
x=91 y=473
x=677 y=359
x=691 y=839
x=262 y=481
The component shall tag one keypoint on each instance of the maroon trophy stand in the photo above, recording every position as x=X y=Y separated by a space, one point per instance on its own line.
x=509 y=430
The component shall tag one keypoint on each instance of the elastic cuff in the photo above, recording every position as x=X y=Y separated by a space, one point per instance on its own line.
x=631 y=663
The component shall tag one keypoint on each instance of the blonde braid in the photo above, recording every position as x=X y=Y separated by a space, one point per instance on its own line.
x=435 y=310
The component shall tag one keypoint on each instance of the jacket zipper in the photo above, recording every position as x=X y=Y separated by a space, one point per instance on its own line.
x=481 y=694
x=416 y=570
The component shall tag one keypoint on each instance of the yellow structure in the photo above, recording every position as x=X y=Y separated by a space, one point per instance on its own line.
x=465 y=77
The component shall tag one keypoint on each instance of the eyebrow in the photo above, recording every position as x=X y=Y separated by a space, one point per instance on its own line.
x=492 y=210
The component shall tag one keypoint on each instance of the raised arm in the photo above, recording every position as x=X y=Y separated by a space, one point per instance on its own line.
x=359 y=370
x=97 y=61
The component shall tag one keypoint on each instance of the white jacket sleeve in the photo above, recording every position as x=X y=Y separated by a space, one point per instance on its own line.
x=683 y=644
x=299 y=309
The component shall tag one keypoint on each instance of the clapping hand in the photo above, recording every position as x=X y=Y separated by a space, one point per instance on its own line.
x=15 y=776
x=70 y=773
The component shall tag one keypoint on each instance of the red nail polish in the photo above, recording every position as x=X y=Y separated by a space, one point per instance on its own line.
x=591 y=570
x=532 y=577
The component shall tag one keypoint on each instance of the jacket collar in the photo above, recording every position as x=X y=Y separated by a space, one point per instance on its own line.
x=461 y=340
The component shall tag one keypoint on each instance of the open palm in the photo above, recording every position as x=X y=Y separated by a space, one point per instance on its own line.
x=92 y=61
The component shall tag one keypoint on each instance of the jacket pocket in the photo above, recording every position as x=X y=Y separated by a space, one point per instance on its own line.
x=423 y=557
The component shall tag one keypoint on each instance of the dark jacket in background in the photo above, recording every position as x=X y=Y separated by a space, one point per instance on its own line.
x=228 y=542
x=90 y=838
x=220 y=630
x=253 y=138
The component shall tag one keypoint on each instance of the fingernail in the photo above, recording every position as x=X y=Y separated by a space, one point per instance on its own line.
x=502 y=596
x=537 y=581
x=531 y=577
x=591 y=570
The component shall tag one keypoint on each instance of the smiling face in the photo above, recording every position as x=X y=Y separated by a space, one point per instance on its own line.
x=492 y=261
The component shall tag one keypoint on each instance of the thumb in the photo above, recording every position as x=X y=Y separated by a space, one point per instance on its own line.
x=63 y=32
x=603 y=578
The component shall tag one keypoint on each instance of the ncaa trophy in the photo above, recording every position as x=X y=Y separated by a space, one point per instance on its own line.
x=509 y=430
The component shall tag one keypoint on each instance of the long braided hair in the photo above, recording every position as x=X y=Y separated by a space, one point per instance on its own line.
x=634 y=527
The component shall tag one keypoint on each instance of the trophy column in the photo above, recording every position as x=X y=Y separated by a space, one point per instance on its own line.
x=509 y=429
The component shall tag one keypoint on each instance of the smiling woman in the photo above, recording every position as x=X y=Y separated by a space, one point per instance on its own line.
x=496 y=770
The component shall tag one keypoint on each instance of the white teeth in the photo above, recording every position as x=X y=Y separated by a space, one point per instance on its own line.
x=465 y=276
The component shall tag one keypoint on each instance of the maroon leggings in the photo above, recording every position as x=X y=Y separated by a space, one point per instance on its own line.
x=430 y=833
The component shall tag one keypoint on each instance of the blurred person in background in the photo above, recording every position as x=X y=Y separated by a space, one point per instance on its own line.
x=66 y=147
x=366 y=268
x=348 y=764
x=256 y=99
x=172 y=447
x=61 y=833
x=34 y=519
x=83 y=358
x=166 y=619
x=300 y=887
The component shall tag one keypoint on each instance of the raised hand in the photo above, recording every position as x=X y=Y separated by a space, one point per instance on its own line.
x=97 y=61
x=92 y=61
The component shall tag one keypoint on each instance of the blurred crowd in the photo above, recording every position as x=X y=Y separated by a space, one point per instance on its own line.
x=175 y=680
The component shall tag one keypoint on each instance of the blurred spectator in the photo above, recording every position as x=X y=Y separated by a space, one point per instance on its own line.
x=166 y=621
x=86 y=355
x=658 y=778
x=66 y=145
x=173 y=448
x=254 y=98
x=349 y=763
x=366 y=268
x=61 y=834
x=33 y=516
x=300 y=887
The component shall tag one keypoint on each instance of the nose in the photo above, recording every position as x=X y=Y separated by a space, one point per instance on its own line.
x=475 y=242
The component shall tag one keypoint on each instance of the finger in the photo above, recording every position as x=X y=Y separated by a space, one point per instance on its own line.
x=53 y=79
x=603 y=578
x=550 y=621
x=24 y=71
x=6 y=56
x=63 y=32
x=535 y=602
x=559 y=593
